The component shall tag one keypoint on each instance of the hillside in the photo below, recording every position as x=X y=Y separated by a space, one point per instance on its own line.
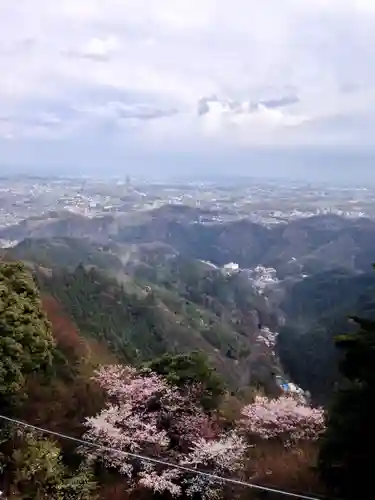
x=305 y=245
x=140 y=326
x=65 y=252
x=149 y=299
x=317 y=309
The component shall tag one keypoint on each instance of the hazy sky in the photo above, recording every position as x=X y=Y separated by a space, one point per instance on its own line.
x=165 y=86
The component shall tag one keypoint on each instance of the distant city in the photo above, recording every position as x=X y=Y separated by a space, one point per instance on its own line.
x=266 y=202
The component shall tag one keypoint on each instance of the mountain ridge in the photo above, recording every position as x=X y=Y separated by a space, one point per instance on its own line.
x=300 y=245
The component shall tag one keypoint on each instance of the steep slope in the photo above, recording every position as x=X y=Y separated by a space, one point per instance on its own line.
x=65 y=252
x=317 y=309
x=140 y=326
x=322 y=243
x=42 y=383
x=64 y=396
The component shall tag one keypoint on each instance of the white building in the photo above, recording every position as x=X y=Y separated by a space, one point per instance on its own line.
x=231 y=268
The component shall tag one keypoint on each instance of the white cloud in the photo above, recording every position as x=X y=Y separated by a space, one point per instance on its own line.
x=98 y=48
x=185 y=73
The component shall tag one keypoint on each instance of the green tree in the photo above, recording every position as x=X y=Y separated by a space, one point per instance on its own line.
x=346 y=459
x=188 y=369
x=36 y=472
x=26 y=342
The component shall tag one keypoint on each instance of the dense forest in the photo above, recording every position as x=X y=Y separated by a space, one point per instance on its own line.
x=316 y=309
x=72 y=364
x=178 y=312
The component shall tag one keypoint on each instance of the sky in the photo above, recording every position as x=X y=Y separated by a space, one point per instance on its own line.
x=168 y=87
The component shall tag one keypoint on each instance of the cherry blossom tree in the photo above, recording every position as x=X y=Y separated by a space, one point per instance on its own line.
x=286 y=419
x=146 y=415
x=215 y=456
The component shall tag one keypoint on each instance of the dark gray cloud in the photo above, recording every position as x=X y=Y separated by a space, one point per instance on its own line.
x=103 y=58
x=143 y=111
x=280 y=101
x=203 y=106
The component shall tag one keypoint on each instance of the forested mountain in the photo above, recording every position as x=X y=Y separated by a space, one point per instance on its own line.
x=141 y=320
x=160 y=302
x=65 y=252
x=305 y=245
x=317 y=309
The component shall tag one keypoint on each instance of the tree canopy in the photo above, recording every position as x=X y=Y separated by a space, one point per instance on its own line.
x=38 y=472
x=26 y=342
x=146 y=415
x=191 y=369
x=346 y=456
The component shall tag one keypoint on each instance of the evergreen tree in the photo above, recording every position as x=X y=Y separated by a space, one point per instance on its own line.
x=26 y=342
x=184 y=370
x=36 y=472
x=346 y=459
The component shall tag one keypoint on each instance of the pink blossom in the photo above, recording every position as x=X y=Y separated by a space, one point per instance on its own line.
x=161 y=482
x=198 y=425
x=219 y=457
x=145 y=415
x=123 y=381
x=206 y=488
x=225 y=453
x=284 y=418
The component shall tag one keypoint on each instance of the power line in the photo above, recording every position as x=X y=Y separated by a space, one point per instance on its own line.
x=153 y=460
